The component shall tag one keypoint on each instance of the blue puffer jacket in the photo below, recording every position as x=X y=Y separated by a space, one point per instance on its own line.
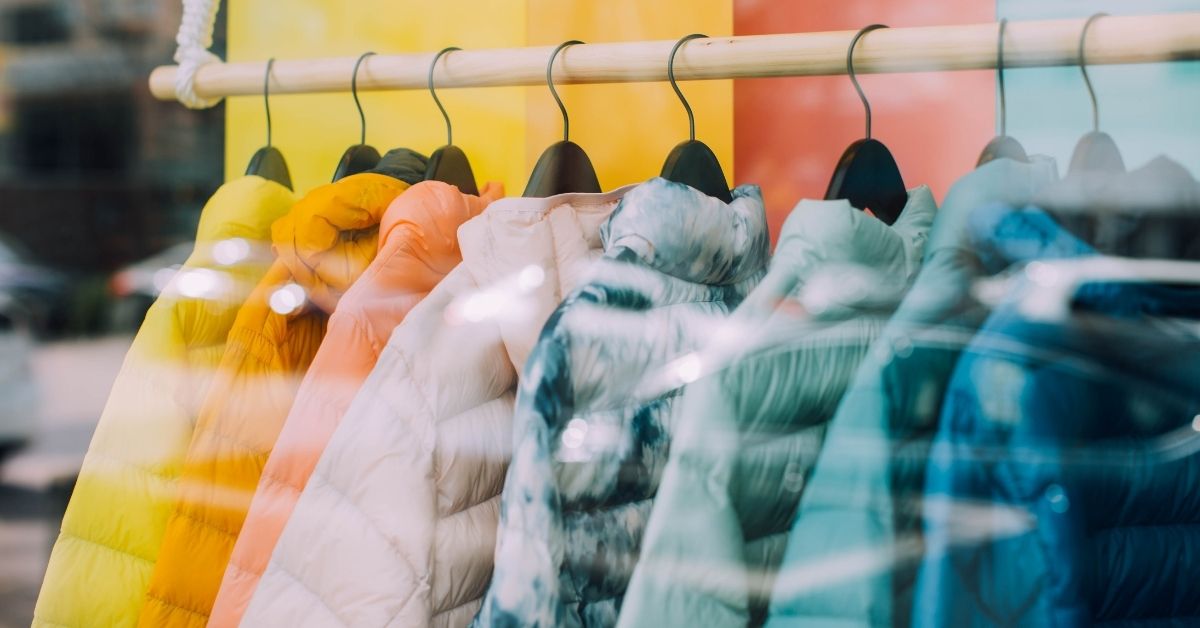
x=596 y=405
x=1064 y=483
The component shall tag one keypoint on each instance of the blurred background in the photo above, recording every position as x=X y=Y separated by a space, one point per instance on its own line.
x=101 y=185
x=100 y=188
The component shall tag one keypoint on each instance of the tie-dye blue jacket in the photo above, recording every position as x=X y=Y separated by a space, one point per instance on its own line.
x=596 y=404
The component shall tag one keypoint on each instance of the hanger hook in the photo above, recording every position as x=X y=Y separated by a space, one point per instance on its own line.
x=267 y=96
x=1000 y=78
x=362 y=117
x=850 y=70
x=438 y=101
x=1083 y=69
x=554 y=92
x=675 y=86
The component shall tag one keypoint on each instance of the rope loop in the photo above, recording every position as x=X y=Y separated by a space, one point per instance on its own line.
x=194 y=40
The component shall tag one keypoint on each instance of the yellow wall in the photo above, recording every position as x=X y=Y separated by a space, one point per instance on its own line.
x=629 y=128
x=626 y=129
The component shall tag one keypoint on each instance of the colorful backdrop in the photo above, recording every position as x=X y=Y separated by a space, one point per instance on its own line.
x=783 y=134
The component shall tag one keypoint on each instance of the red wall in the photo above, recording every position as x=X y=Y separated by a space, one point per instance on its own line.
x=789 y=132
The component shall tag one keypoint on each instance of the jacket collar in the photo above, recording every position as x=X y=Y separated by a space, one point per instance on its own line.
x=682 y=232
x=515 y=232
x=244 y=208
x=841 y=257
x=525 y=254
x=431 y=212
x=330 y=236
x=1004 y=181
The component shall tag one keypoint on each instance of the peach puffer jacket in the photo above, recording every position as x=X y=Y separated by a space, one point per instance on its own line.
x=418 y=246
x=322 y=246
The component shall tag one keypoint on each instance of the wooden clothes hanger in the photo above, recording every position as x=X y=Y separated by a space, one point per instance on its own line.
x=359 y=157
x=449 y=163
x=267 y=162
x=867 y=175
x=692 y=162
x=1002 y=146
x=564 y=166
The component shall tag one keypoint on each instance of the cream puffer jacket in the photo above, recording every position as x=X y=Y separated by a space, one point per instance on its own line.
x=397 y=524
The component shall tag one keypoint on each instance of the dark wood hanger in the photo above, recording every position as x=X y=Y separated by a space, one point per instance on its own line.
x=1002 y=146
x=564 y=166
x=357 y=159
x=267 y=162
x=867 y=175
x=692 y=162
x=360 y=157
x=449 y=164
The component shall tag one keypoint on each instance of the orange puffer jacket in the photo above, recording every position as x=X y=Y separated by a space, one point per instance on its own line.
x=418 y=246
x=322 y=245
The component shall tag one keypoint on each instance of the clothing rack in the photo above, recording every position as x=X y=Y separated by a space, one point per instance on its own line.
x=1110 y=40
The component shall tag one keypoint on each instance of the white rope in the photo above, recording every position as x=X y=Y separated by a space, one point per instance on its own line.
x=194 y=39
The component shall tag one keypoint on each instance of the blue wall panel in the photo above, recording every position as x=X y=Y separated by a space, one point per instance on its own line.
x=1149 y=109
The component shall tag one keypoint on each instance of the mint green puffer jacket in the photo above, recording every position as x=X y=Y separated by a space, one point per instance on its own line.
x=750 y=430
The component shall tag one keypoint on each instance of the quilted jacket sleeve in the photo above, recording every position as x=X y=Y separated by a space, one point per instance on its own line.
x=101 y=564
x=531 y=537
x=873 y=453
x=332 y=381
x=748 y=437
x=873 y=457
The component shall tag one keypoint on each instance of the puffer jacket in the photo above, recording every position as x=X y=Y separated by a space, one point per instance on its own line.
x=750 y=431
x=418 y=246
x=322 y=245
x=397 y=523
x=1060 y=482
x=597 y=402
x=855 y=543
x=114 y=523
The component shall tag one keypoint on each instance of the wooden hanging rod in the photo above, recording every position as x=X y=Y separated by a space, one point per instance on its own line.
x=1110 y=40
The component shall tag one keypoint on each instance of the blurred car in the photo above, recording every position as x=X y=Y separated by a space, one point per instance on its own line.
x=135 y=287
x=18 y=391
x=35 y=293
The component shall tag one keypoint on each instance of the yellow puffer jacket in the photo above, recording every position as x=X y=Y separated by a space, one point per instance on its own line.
x=102 y=560
x=323 y=244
